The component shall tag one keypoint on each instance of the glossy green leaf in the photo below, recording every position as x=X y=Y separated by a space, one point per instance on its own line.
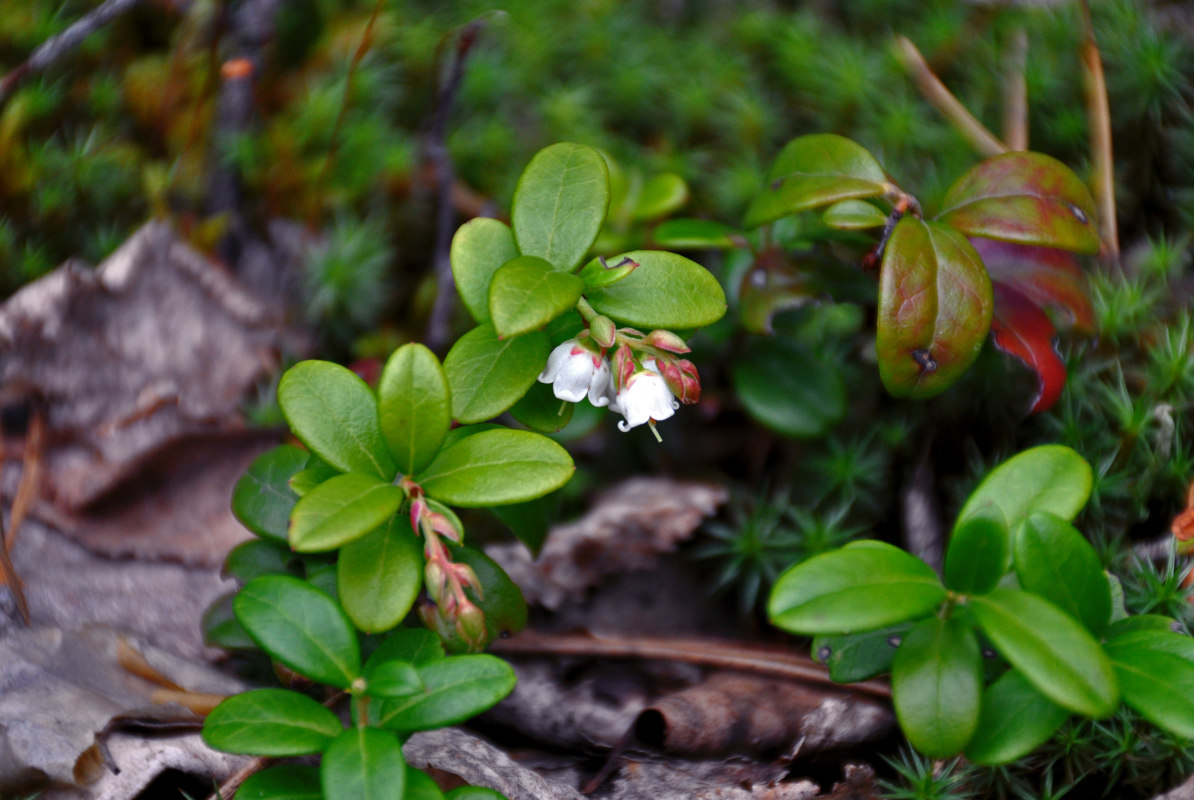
x=380 y=574
x=420 y=786
x=473 y=793
x=977 y=556
x=1015 y=720
x=414 y=409
x=1156 y=673
x=334 y=413
x=935 y=306
x=859 y=656
x=314 y=473
x=220 y=628
x=342 y=510
x=1050 y=478
x=262 y=499
x=300 y=626
x=417 y=646
x=853 y=215
x=1024 y=197
x=479 y=247
x=1056 y=654
x=323 y=578
x=936 y=685
x=454 y=689
x=487 y=375
x=815 y=171
x=501 y=601
x=665 y=291
x=282 y=782
x=661 y=195
x=527 y=293
x=560 y=203
x=529 y=521
x=391 y=678
x=270 y=722
x=1054 y=560
x=789 y=388
x=540 y=409
x=254 y=558
x=497 y=467
x=863 y=586
x=363 y=764
x=1141 y=622
x=695 y=234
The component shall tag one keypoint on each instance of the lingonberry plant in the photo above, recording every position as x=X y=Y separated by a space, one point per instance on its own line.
x=367 y=505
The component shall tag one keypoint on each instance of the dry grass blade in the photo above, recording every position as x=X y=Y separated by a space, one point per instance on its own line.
x=1098 y=112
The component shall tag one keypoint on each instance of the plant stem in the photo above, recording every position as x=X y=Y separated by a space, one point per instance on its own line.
x=1015 y=92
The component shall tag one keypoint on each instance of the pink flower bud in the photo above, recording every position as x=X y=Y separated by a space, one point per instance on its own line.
x=624 y=367
x=667 y=341
x=603 y=331
x=470 y=624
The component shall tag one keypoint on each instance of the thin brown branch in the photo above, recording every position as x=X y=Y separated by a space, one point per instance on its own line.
x=1098 y=111
x=704 y=652
x=1015 y=92
x=29 y=489
x=981 y=139
x=13 y=581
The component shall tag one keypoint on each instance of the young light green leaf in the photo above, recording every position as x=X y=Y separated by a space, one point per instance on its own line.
x=936 y=685
x=853 y=215
x=1050 y=478
x=665 y=291
x=814 y=171
x=282 y=782
x=262 y=499
x=1156 y=673
x=300 y=626
x=863 y=586
x=977 y=556
x=789 y=388
x=1015 y=720
x=454 y=689
x=1056 y=654
x=380 y=574
x=661 y=195
x=363 y=764
x=334 y=413
x=935 y=307
x=479 y=248
x=1054 y=560
x=695 y=234
x=391 y=678
x=487 y=375
x=254 y=558
x=560 y=203
x=417 y=646
x=859 y=656
x=342 y=510
x=1024 y=197
x=414 y=409
x=270 y=722
x=527 y=293
x=497 y=467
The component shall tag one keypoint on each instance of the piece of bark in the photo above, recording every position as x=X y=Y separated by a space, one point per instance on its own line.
x=479 y=763
x=720 y=779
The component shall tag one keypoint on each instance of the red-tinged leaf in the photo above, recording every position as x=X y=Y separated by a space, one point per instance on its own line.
x=1049 y=277
x=1021 y=329
x=1024 y=197
x=935 y=308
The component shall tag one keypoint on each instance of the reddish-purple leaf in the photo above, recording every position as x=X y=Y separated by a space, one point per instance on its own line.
x=1024 y=197
x=935 y=308
x=1021 y=329
x=1049 y=277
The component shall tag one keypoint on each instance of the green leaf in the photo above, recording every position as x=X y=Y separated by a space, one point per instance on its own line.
x=661 y=195
x=530 y=521
x=220 y=628
x=665 y=291
x=497 y=467
x=479 y=248
x=1156 y=673
x=1140 y=622
x=863 y=586
x=282 y=782
x=254 y=558
x=1050 y=478
x=454 y=689
x=1023 y=197
x=417 y=646
x=560 y=203
x=936 y=685
x=1054 y=560
x=391 y=678
x=262 y=499
x=473 y=793
x=859 y=656
x=527 y=293
x=487 y=375
x=935 y=307
x=334 y=413
x=853 y=215
x=540 y=410
x=977 y=556
x=300 y=626
x=380 y=574
x=342 y=510
x=363 y=764
x=788 y=388
x=695 y=234
x=1015 y=720
x=815 y=171
x=414 y=408
x=419 y=786
x=314 y=473
x=501 y=601
x=1056 y=654
x=270 y=722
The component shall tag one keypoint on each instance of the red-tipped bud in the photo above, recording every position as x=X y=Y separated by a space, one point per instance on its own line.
x=417 y=509
x=682 y=378
x=466 y=577
x=470 y=624
x=623 y=366
x=603 y=330
x=435 y=580
x=442 y=525
x=666 y=341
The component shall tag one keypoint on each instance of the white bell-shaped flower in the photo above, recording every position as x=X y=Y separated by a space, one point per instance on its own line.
x=645 y=398
x=574 y=370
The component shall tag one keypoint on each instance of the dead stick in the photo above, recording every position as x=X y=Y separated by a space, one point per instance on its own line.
x=29 y=488
x=940 y=97
x=1098 y=111
x=723 y=655
x=11 y=578
x=1015 y=92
